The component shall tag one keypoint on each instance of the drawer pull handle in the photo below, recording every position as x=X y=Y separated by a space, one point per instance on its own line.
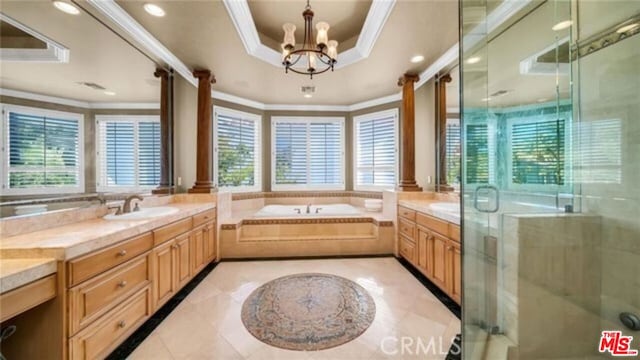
x=121 y=324
x=122 y=284
x=122 y=252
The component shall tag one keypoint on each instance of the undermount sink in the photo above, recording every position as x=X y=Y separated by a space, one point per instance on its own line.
x=446 y=207
x=144 y=213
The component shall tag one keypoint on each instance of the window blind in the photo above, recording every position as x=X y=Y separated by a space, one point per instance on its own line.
x=43 y=152
x=598 y=152
x=128 y=153
x=309 y=153
x=453 y=146
x=376 y=150
x=238 y=149
x=537 y=152
x=477 y=154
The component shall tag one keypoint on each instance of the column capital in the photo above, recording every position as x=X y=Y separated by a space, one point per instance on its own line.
x=204 y=75
x=161 y=73
x=408 y=79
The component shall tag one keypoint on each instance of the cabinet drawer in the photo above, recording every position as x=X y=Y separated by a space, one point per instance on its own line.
x=454 y=232
x=204 y=217
x=407 y=249
x=406 y=228
x=96 y=296
x=101 y=337
x=406 y=213
x=28 y=296
x=432 y=223
x=93 y=264
x=171 y=231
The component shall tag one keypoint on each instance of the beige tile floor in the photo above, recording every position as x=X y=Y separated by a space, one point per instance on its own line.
x=207 y=324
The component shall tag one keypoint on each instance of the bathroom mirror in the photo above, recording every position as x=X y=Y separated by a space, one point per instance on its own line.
x=80 y=108
x=449 y=151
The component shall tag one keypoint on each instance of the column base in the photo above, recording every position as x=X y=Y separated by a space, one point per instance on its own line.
x=203 y=188
x=408 y=186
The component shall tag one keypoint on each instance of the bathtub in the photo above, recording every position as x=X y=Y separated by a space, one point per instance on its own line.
x=271 y=211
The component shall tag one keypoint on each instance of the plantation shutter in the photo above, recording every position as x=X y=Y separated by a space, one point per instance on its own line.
x=376 y=151
x=598 y=154
x=325 y=153
x=128 y=153
x=477 y=154
x=453 y=142
x=537 y=152
x=43 y=152
x=309 y=153
x=237 y=150
x=291 y=153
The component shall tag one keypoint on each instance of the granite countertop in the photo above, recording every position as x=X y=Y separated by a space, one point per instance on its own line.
x=17 y=272
x=69 y=241
x=423 y=206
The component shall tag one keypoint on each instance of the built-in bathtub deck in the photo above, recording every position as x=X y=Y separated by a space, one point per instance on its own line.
x=245 y=236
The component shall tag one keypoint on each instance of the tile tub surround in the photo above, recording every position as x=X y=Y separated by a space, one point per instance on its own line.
x=79 y=238
x=207 y=324
x=17 y=272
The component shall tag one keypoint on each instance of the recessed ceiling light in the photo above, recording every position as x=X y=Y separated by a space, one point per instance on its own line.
x=417 y=59
x=473 y=60
x=626 y=28
x=66 y=7
x=562 y=25
x=308 y=96
x=110 y=93
x=154 y=10
x=486 y=99
x=542 y=100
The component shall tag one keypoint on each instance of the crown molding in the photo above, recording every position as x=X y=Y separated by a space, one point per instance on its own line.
x=446 y=59
x=219 y=95
x=129 y=25
x=242 y=20
x=375 y=102
x=77 y=103
x=55 y=52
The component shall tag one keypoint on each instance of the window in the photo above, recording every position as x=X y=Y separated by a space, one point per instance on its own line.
x=307 y=153
x=128 y=152
x=537 y=151
x=237 y=150
x=453 y=151
x=376 y=150
x=42 y=151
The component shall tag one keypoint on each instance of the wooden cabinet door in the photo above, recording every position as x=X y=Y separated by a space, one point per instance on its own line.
x=423 y=244
x=198 y=245
x=430 y=255
x=163 y=277
x=439 y=260
x=183 y=265
x=210 y=242
x=454 y=275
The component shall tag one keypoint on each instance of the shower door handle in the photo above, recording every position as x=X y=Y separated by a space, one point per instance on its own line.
x=489 y=189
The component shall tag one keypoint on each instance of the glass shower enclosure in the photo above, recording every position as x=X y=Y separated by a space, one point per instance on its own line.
x=550 y=106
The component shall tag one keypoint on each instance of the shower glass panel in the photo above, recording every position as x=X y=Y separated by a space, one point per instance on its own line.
x=551 y=161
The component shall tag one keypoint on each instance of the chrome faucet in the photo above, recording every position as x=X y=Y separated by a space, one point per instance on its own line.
x=308 y=208
x=126 y=208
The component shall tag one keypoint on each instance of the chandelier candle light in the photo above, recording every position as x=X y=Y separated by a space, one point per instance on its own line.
x=317 y=56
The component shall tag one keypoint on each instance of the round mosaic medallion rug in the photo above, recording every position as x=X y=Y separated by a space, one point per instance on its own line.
x=308 y=311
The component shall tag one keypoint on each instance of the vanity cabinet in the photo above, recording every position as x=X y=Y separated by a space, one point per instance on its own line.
x=433 y=247
x=112 y=291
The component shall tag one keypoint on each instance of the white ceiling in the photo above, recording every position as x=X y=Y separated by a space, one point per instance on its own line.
x=96 y=55
x=202 y=35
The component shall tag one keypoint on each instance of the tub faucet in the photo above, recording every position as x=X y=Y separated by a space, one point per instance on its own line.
x=308 y=208
x=126 y=208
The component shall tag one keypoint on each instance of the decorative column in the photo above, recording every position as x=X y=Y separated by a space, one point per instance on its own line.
x=408 y=149
x=441 y=101
x=204 y=155
x=166 y=131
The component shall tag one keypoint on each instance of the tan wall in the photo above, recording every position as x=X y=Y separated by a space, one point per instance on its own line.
x=185 y=133
x=426 y=135
x=89 y=134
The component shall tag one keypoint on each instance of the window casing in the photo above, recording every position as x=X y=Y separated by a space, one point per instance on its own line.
x=42 y=151
x=127 y=153
x=307 y=153
x=237 y=155
x=375 y=151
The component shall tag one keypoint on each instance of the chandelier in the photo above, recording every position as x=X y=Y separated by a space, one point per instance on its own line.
x=314 y=57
